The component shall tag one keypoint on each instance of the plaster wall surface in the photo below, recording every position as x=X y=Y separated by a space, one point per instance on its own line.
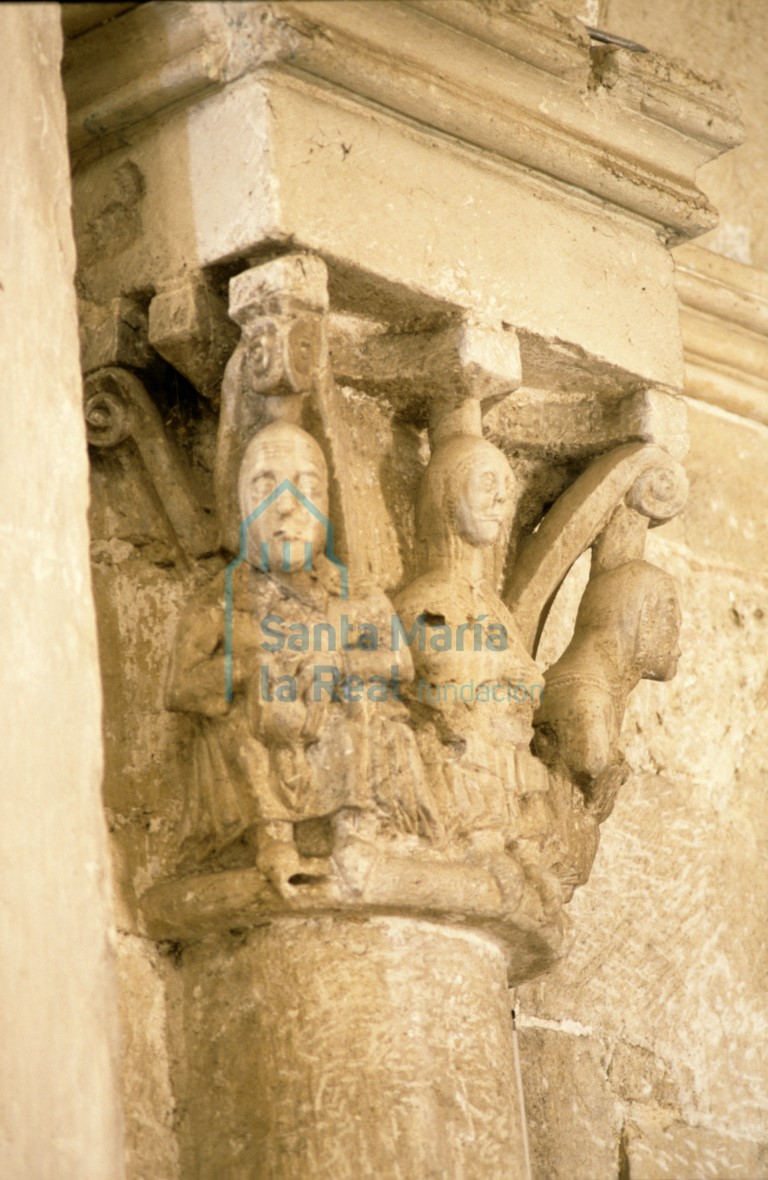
x=58 y=1067
x=727 y=41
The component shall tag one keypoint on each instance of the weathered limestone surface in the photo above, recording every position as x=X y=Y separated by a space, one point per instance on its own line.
x=152 y=1148
x=676 y=1055
x=289 y=117
x=724 y=318
x=659 y=1011
x=729 y=42
x=59 y=1115
x=660 y=1149
x=141 y=585
x=574 y=1119
x=304 y=188
x=642 y=1050
x=358 y=1064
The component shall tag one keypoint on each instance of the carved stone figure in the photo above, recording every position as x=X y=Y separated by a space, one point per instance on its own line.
x=282 y=355
x=252 y=773
x=267 y=657
x=348 y=759
x=476 y=684
x=627 y=629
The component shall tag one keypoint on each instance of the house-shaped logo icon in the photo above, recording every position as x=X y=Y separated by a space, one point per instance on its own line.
x=287 y=488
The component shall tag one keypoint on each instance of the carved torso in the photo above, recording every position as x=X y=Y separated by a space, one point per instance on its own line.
x=474 y=702
x=259 y=758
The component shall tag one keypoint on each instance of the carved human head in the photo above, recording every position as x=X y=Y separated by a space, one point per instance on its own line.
x=288 y=532
x=658 y=632
x=635 y=610
x=466 y=493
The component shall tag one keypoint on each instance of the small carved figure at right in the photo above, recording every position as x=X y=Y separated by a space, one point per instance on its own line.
x=627 y=630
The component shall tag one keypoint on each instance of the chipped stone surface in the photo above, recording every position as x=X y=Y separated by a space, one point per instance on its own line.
x=574 y=1120
x=358 y=1064
x=661 y=1148
x=148 y=1102
x=638 y=1074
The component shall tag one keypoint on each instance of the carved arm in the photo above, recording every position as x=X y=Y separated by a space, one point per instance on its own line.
x=646 y=478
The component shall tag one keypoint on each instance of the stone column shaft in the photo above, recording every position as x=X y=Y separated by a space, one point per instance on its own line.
x=336 y=1048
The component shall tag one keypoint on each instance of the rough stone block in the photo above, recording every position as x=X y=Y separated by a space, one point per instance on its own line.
x=190 y=328
x=574 y=1121
x=659 y=1149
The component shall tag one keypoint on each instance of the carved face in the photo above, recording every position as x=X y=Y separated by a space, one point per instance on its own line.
x=286 y=532
x=659 y=634
x=482 y=506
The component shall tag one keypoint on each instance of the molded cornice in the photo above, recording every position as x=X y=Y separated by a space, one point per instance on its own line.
x=724 y=320
x=515 y=80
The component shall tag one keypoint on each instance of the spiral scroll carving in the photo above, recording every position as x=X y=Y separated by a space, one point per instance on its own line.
x=118 y=407
x=642 y=476
x=660 y=492
x=107 y=412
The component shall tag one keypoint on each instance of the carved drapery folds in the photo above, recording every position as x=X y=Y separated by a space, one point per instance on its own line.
x=356 y=754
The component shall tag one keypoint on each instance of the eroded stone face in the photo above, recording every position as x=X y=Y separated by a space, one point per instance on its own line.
x=289 y=458
x=483 y=503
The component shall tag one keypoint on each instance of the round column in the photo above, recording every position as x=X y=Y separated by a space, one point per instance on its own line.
x=331 y=1047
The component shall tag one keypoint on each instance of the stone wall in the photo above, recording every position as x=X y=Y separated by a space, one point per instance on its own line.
x=643 y=1051
x=645 y=1044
